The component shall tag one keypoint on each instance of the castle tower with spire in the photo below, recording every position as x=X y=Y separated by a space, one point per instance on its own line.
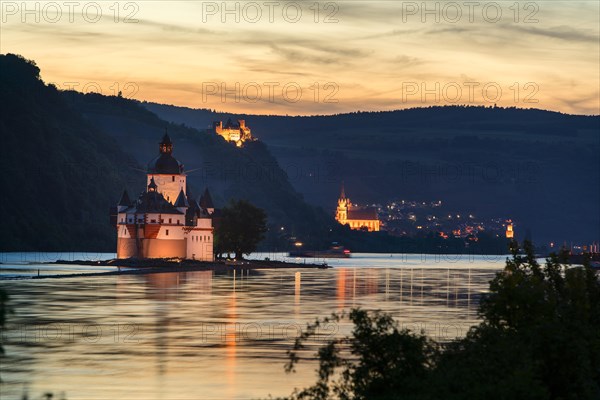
x=164 y=222
x=167 y=172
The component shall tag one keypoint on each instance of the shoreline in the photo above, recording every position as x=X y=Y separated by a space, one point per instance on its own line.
x=153 y=266
x=169 y=262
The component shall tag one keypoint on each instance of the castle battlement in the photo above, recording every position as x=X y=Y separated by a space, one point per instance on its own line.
x=237 y=133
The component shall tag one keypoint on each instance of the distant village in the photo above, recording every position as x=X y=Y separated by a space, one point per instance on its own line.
x=408 y=217
x=414 y=218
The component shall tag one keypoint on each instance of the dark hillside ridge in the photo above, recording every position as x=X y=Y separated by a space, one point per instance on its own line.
x=539 y=167
x=60 y=174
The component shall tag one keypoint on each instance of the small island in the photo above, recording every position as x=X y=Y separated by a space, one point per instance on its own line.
x=135 y=266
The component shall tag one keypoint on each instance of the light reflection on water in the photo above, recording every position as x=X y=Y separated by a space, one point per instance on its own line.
x=204 y=335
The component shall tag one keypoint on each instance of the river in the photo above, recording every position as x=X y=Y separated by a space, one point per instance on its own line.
x=207 y=335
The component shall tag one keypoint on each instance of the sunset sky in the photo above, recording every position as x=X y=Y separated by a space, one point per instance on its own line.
x=376 y=55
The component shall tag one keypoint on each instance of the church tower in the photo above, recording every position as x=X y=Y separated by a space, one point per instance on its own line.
x=341 y=214
x=167 y=172
x=361 y=218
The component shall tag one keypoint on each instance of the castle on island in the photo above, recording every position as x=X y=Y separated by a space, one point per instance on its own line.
x=237 y=133
x=359 y=218
x=165 y=221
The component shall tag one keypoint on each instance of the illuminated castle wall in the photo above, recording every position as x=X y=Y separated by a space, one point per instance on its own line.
x=165 y=221
x=364 y=218
x=235 y=133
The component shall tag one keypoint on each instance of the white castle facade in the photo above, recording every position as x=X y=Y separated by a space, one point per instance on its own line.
x=165 y=221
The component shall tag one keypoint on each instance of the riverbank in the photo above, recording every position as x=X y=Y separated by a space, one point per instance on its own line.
x=178 y=263
x=152 y=266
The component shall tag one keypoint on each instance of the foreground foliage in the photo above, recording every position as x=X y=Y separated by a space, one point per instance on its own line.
x=539 y=338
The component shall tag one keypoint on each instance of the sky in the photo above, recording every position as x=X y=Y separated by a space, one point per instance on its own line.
x=308 y=57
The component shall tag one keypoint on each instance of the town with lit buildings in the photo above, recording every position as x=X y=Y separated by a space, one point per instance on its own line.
x=419 y=218
x=407 y=217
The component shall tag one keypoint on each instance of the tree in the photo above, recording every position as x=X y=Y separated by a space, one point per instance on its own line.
x=379 y=359
x=539 y=338
x=241 y=228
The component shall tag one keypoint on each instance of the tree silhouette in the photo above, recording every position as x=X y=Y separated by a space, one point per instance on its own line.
x=241 y=228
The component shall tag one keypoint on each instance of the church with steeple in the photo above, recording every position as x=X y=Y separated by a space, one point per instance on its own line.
x=359 y=218
x=165 y=221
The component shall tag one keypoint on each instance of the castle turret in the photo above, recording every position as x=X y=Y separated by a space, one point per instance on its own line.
x=206 y=202
x=152 y=185
x=125 y=202
x=181 y=203
x=166 y=146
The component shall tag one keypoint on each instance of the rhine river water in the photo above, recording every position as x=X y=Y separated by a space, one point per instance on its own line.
x=207 y=335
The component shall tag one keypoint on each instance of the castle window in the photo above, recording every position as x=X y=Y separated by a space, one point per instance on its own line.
x=162 y=220
x=170 y=220
x=167 y=232
x=173 y=178
x=153 y=221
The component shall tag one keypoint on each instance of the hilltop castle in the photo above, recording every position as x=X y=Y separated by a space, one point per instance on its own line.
x=165 y=221
x=363 y=218
x=235 y=133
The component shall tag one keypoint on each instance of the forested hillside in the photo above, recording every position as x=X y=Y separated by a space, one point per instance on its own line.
x=59 y=175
